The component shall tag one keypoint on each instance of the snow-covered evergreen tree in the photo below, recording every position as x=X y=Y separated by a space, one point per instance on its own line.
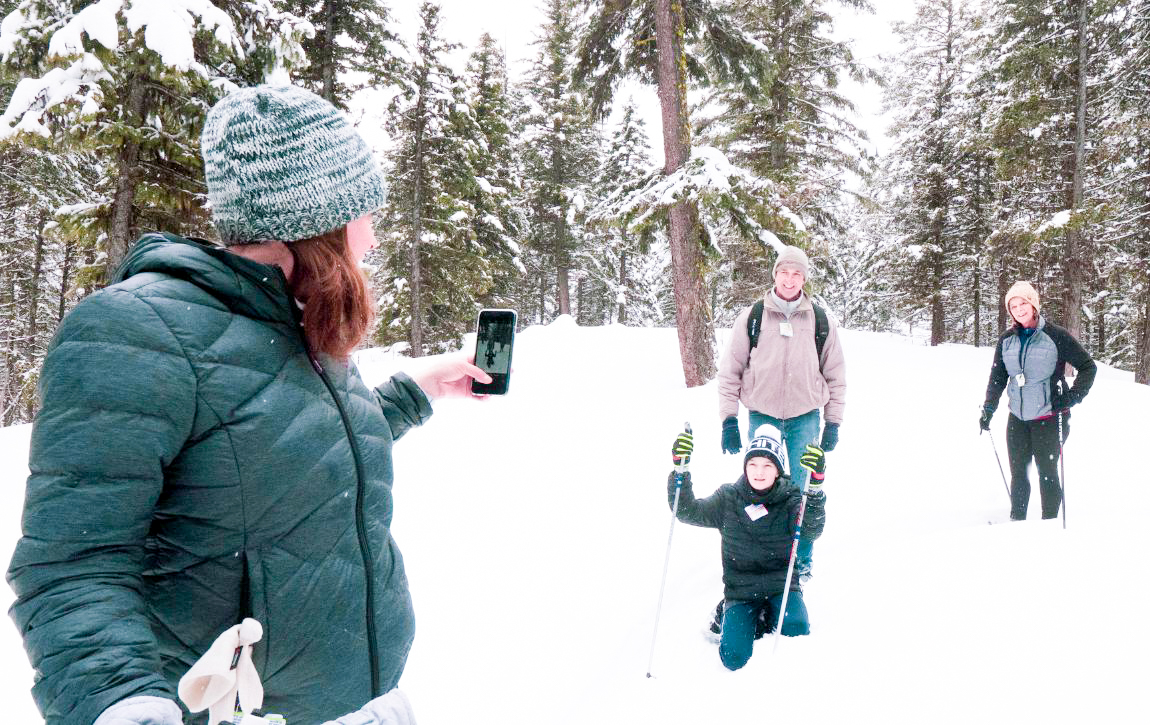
x=927 y=93
x=622 y=265
x=353 y=47
x=434 y=268
x=130 y=82
x=1045 y=61
x=498 y=221
x=798 y=131
x=558 y=142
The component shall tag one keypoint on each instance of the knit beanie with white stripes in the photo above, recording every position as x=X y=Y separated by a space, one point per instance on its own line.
x=283 y=164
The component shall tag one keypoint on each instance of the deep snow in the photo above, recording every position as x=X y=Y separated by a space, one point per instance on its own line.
x=534 y=530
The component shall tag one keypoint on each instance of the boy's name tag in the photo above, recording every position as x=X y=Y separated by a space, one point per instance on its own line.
x=756 y=511
x=785 y=329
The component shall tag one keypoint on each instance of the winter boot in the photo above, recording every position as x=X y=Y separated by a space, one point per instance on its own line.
x=715 y=629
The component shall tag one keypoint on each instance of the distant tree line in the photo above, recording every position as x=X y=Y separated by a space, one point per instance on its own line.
x=1020 y=152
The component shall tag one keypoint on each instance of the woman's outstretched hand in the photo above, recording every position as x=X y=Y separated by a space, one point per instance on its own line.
x=448 y=375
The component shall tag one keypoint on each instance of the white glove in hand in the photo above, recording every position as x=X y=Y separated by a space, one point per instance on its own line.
x=390 y=709
x=142 y=710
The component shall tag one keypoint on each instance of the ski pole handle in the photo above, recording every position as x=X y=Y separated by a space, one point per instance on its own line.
x=684 y=446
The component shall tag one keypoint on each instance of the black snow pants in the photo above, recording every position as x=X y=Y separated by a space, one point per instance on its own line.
x=1037 y=440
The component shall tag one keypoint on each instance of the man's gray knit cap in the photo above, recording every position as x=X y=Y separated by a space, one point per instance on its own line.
x=283 y=164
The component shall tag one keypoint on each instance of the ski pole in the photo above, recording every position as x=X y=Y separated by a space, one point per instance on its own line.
x=1061 y=463
x=680 y=469
x=1000 y=471
x=790 y=568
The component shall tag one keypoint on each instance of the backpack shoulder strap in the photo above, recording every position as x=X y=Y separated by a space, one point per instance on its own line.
x=822 y=329
x=755 y=324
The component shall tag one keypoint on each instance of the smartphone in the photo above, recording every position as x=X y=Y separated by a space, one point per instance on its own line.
x=494 y=341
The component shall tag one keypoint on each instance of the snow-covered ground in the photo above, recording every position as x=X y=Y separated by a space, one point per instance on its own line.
x=534 y=529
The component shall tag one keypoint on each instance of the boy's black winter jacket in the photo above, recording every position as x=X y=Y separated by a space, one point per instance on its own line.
x=755 y=550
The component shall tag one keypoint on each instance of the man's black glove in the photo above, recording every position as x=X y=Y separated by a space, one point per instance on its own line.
x=984 y=419
x=830 y=437
x=732 y=443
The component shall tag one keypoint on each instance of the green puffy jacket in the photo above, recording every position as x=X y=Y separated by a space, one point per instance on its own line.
x=192 y=465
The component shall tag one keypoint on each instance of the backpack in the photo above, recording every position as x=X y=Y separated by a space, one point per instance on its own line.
x=755 y=323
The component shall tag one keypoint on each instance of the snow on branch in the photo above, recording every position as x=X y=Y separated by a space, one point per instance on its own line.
x=34 y=97
x=711 y=180
x=1057 y=221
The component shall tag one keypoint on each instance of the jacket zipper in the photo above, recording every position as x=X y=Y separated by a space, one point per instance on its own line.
x=360 y=530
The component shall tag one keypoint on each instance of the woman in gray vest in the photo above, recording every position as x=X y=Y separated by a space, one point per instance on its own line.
x=1030 y=363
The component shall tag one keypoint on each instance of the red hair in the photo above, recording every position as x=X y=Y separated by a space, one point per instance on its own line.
x=338 y=307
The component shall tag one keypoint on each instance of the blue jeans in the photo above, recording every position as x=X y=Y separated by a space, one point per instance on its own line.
x=797 y=432
x=739 y=619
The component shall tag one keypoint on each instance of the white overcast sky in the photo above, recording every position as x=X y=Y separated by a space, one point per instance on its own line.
x=515 y=25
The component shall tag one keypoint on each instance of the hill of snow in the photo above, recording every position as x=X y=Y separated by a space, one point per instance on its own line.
x=534 y=530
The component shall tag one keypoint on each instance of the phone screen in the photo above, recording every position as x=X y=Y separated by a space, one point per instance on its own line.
x=494 y=340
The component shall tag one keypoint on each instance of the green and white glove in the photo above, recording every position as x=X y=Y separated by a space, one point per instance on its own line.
x=815 y=461
x=681 y=450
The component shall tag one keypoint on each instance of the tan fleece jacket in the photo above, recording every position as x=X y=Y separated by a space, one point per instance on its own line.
x=783 y=378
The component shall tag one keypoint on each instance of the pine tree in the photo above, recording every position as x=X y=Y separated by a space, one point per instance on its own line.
x=671 y=43
x=131 y=85
x=1119 y=311
x=926 y=162
x=1046 y=117
x=621 y=266
x=797 y=132
x=559 y=144
x=352 y=47
x=434 y=269
x=498 y=221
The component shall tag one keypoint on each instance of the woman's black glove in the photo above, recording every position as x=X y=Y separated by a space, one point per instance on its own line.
x=984 y=419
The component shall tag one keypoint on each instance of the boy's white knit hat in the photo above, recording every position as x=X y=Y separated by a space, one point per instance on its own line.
x=767 y=442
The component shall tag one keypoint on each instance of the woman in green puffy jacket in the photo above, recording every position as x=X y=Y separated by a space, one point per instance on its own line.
x=206 y=452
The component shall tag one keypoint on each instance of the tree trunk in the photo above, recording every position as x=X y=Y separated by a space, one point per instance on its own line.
x=11 y=373
x=622 y=317
x=1142 y=370
x=327 y=71
x=32 y=328
x=542 y=293
x=562 y=272
x=414 y=262
x=561 y=242
x=65 y=280
x=692 y=321
x=977 y=256
x=1003 y=287
x=122 y=226
x=1072 y=264
x=580 y=300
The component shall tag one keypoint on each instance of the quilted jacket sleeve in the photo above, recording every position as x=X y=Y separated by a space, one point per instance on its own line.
x=707 y=512
x=815 y=517
x=118 y=400
x=404 y=404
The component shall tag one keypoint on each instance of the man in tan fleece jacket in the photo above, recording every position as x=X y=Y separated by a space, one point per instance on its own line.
x=784 y=381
